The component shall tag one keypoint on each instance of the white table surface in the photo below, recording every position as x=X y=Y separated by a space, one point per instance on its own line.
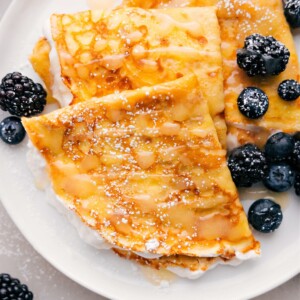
x=18 y=258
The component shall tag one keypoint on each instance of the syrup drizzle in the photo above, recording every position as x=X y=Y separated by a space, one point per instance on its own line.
x=160 y=277
x=260 y=192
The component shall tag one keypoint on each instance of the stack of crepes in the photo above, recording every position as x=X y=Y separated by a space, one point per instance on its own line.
x=138 y=150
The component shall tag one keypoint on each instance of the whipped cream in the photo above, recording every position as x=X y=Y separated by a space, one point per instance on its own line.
x=232 y=142
x=239 y=258
x=59 y=90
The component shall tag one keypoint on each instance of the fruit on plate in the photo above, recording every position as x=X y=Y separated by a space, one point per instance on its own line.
x=262 y=55
x=247 y=165
x=297 y=184
x=289 y=90
x=296 y=155
x=280 y=177
x=20 y=96
x=279 y=147
x=292 y=12
x=253 y=103
x=12 y=131
x=265 y=215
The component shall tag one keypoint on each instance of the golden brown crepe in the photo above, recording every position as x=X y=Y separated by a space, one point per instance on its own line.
x=239 y=19
x=102 y=52
x=146 y=170
x=176 y=262
x=41 y=64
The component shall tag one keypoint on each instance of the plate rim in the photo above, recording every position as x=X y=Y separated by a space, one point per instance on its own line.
x=100 y=290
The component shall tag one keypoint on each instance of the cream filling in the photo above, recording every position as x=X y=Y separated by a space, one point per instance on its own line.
x=232 y=142
x=37 y=166
x=59 y=90
x=239 y=258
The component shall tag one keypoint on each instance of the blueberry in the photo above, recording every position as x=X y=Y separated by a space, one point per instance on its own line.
x=297 y=184
x=289 y=90
x=253 y=103
x=297 y=136
x=296 y=155
x=247 y=165
x=292 y=12
x=12 y=131
x=280 y=177
x=265 y=215
x=279 y=147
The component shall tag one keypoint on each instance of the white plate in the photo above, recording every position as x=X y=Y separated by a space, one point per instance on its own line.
x=103 y=272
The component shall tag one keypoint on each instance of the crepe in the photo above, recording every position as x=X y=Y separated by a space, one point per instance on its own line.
x=145 y=169
x=177 y=264
x=101 y=52
x=239 y=19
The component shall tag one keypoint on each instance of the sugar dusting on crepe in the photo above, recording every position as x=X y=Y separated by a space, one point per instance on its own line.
x=37 y=166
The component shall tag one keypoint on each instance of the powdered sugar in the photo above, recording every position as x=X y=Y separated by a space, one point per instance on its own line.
x=152 y=244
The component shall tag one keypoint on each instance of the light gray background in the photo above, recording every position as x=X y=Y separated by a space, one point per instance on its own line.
x=18 y=258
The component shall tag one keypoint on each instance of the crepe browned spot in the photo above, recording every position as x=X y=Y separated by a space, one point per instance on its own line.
x=145 y=169
x=101 y=52
x=239 y=19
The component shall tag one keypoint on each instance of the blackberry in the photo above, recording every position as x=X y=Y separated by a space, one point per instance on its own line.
x=297 y=136
x=12 y=131
x=297 y=184
x=279 y=147
x=253 y=103
x=289 y=90
x=12 y=289
x=20 y=96
x=280 y=177
x=292 y=12
x=265 y=215
x=247 y=165
x=262 y=55
x=296 y=155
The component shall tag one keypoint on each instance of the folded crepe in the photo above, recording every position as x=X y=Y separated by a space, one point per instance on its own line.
x=101 y=52
x=144 y=168
x=239 y=19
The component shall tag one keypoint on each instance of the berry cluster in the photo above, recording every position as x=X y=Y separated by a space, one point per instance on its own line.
x=21 y=97
x=12 y=289
x=262 y=55
x=277 y=167
x=292 y=12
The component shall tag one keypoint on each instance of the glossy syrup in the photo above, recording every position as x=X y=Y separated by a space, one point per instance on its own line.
x=260 y=192
x=160 y=277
